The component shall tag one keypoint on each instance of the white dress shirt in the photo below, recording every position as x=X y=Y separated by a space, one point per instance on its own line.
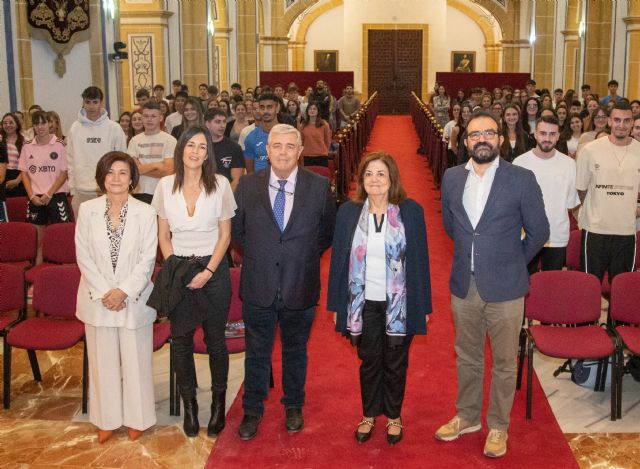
x=476 y=193
x=289 y=189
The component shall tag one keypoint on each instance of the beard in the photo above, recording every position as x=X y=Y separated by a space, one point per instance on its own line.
x=483 y=152
x=546 y=147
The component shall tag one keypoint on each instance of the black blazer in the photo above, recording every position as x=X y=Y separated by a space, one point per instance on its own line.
x=288 y=261
x=418 y=283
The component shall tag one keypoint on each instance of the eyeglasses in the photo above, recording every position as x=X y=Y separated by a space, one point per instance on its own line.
x=489 y=133
x=277 y=189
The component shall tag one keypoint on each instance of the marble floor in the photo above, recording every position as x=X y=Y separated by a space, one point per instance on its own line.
x=45 y=428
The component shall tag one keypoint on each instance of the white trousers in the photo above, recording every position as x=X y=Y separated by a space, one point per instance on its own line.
x=121 y=377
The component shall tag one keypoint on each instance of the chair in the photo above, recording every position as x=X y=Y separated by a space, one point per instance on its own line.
x=19 y=244
x=55 y=326
x=567 y=305
x=162 y=335
x=624 y=311
x=12 y=298
x=17 y=208
x=322 y=171
x=573 y=260
x=58 y=247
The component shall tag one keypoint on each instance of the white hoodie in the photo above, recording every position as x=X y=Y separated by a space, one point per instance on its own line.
x=87 y=142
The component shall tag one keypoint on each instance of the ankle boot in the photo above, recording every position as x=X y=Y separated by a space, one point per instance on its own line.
x=216 y=423
x=191 y=425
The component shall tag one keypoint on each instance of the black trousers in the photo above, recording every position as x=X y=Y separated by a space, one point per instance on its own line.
x=383 y=371
x=548 y=259
x=218 y=290
x=613 y=254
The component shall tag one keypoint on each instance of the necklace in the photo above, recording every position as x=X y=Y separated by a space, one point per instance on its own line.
x=615 y=154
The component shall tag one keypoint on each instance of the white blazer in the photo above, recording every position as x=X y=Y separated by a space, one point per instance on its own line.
x=133 y=272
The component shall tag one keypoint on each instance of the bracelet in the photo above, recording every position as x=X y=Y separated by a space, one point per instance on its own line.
x=207 y=268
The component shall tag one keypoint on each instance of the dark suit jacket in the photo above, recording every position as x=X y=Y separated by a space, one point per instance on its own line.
x=418 y=283
x=288 y=261
x=500 y=256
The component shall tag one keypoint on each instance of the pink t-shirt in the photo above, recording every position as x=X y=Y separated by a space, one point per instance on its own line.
x=43 y=164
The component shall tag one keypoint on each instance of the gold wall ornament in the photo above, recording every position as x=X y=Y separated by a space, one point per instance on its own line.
x=61 y=23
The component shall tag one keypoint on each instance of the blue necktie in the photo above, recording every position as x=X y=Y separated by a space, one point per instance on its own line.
x=278 y=204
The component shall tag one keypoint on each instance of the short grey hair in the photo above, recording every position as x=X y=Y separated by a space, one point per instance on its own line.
x=282 y=129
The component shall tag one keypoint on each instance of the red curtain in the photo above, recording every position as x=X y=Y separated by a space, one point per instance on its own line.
x=455 y=81
x=336 y=80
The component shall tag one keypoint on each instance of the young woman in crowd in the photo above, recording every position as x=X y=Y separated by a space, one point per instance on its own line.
x=441 y=104
x=225 y=105
x=191 y=116
x=485 y=102
x=125 y=123
x=55 y=128
x=562 y=113
x=116 y=245
x=571 y=134
x=235 y=126
x=530 y=112
x=598 y=125
x=316 y=137
x=381 y=304
x=293 y=107
x=516 y=140
x=195 y=207
x=137 y=125
x=11 y=134
x=458 y=131
x=446 y=133
x=546 y=102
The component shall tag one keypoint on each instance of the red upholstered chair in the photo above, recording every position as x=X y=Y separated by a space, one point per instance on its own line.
x=12 y=298
x=17 y=208
x=572 y=260
x=567 y=305
x=55 y=326
x=637 y=263
x=624 y=311
x=322 y=171
x=162 y=335
x=237 y=254
x=18 y=244
x=58 y=247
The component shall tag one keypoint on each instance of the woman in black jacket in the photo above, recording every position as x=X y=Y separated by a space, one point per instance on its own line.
x=379 y=286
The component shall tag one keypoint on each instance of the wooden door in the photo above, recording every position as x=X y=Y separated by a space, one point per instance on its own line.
x=395 y=67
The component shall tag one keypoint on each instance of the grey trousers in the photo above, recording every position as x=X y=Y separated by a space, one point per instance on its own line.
x=474 y=319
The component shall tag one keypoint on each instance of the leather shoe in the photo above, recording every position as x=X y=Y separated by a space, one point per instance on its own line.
x=134 y=434
x=293 y=421
x=249 y=426
x=104 y=435
x=191 y=426
x=361 y=437
x=393 y=439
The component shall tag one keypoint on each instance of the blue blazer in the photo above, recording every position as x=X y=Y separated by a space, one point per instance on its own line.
x=416 y=265
x=287 y=262
x=500 y=255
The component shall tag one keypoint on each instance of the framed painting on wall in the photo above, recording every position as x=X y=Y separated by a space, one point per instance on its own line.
x=325 y=60
x=463 y=61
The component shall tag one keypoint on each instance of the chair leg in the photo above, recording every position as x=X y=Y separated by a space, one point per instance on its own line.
x=172 y=384
x=35 y=368
x=603 y=376
x=271 y=382
x=529 y=378
x=85 y=377
x=523 y=345
x=6 y=396
x=619 y=383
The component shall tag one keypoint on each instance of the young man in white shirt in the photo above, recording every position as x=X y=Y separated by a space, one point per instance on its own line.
x=90 y=137
x=153 y=152
x=175 y=119
x=608 y=180
x=556 y=175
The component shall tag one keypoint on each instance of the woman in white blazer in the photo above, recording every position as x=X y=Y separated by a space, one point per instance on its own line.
x=116 y=241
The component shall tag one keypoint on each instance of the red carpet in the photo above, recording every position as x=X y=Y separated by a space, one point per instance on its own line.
x=333 y=400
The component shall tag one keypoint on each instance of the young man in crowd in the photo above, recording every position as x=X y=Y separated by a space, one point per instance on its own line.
x=90 y=137
x=236 y=89
x=255 y=145
x=142 y=97
x=257 y=120
x=348 y=106
x=556 y=175
x=175 y=119
x=158 y=93
x=176 y=85
x=153 y=151
x=228 y=154
x=613 y=93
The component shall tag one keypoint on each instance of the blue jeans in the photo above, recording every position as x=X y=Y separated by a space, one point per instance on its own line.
x=260 y=327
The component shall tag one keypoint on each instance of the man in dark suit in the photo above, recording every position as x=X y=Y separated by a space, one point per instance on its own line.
x=284 y=222
x=486 y=204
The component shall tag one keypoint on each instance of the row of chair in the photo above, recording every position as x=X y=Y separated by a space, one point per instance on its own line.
x=55 y=327
x=562 y=310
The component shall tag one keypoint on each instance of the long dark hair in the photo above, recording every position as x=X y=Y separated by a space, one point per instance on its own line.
x=19 y=136
x=304 y=121
x=521 y=136
x=525 y=116
x=208 y=176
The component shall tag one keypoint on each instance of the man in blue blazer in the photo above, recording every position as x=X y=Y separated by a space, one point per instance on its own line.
x=486 y=206
x=284 y=222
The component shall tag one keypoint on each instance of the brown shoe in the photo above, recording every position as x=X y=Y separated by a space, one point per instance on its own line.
x=496 y=444
x=104 y=435
x=134 y=434
x=454 y=428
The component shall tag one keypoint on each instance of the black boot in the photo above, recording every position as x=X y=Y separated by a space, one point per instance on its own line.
x=191 y=425
x=216 y=423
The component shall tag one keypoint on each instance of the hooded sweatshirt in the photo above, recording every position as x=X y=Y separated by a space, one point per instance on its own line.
x=87 y=142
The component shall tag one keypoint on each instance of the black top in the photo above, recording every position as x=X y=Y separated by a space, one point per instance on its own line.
x=228 y=155
x=3 y=159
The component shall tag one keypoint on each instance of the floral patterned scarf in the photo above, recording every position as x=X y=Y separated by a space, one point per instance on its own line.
x=395 y=245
